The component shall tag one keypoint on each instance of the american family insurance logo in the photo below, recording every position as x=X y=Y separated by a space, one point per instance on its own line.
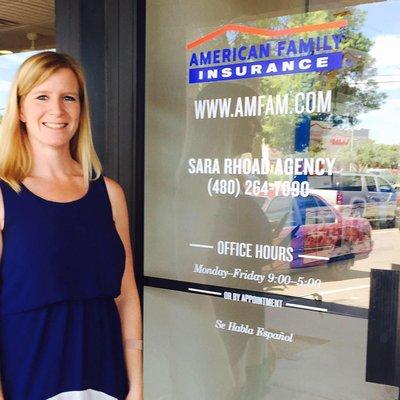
x=276 y=57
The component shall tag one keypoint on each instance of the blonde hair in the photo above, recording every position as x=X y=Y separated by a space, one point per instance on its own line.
x=15 y=154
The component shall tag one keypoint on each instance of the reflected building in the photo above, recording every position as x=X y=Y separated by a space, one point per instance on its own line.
x=326 y=137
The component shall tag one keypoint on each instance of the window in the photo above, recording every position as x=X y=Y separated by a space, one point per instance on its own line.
x=214 y=76
x=370 y=182
x=385 y=186
x=351 y=182
x=308 y=209
x=325 y=213
x=325 y=181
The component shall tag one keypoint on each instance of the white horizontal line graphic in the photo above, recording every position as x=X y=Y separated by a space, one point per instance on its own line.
x=204 y=246
x=204 y=291
x=314 y=257
x=306 y=307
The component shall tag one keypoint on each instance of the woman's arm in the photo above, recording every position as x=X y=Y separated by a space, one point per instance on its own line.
x=128 y=302
x=1 y=252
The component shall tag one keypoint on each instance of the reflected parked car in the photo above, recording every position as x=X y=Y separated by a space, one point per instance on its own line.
x=358 y=194
x=392 y=177
x=317 y=232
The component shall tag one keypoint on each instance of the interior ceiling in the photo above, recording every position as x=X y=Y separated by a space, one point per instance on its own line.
x=20 y=17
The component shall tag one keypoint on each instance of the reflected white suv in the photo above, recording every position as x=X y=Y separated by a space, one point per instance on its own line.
x=358 y=194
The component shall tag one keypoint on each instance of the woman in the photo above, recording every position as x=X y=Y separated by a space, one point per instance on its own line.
x=66 y=251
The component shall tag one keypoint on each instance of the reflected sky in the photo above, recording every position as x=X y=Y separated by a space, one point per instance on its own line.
x=381 y=25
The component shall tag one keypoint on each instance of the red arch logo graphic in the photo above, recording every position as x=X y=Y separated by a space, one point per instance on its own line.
x=265 y=32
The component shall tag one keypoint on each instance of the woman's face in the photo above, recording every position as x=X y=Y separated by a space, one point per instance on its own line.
x=51 y=110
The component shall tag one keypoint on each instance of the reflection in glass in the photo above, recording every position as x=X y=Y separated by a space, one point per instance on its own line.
x=353 y=226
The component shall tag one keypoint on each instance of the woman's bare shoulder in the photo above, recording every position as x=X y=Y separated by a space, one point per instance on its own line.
x=116 y=195
x=114 y=189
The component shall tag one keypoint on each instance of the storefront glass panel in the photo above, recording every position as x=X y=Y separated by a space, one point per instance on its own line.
x=272 y=182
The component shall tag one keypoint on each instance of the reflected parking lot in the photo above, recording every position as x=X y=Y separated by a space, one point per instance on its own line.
x=353 y=287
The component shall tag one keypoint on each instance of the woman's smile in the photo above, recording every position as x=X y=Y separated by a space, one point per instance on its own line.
x=55 y=125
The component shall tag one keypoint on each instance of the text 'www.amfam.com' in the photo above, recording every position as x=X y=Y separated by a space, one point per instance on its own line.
x=257 y=106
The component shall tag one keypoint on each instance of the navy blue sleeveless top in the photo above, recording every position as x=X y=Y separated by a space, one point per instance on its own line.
x=55 y=251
